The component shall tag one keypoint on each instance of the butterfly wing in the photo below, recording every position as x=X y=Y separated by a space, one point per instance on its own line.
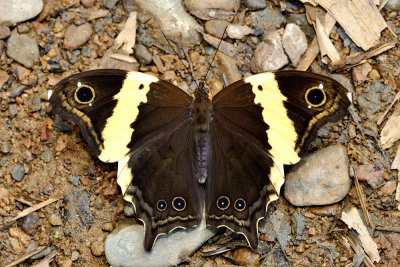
x=145 y=124
x=259 y=124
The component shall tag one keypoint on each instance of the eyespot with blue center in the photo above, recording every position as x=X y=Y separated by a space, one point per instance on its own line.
x=84 y=94
x=161 y=205
x=223 y=202
x=179 y=203
x=240 y=204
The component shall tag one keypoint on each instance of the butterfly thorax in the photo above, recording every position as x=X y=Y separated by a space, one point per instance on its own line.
x=201 y=118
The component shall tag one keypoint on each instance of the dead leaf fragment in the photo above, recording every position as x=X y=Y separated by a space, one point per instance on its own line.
x=353 y=220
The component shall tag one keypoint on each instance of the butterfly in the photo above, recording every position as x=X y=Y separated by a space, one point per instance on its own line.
x=184 y=159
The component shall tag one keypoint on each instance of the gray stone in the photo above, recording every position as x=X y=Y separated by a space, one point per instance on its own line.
x=124 y=246
x=14 y=92
x=268 y=19
x=18 y=172
x=98 y=26
x=110 y=4
x=12 y=12
x=281 y=224
x=36 y=105
x=23 y=49
x=75 y=180
x=320 y=178
x=269 y=54
x=299 y=223
x=47 y=156
x=255 y=4
x=294 y=42
x=143 y=54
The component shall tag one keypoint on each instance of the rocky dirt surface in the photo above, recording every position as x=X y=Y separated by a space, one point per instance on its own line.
x=44 y=158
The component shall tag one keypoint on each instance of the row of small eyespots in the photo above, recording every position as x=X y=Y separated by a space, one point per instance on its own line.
x=178 y=203
x=223 y=202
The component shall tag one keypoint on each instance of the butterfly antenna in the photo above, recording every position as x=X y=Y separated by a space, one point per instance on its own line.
x=187 y=70
x=209 y=67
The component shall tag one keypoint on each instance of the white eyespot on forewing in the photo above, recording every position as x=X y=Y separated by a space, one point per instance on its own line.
x=49 y=93
x=321 y=86
x=79 y=84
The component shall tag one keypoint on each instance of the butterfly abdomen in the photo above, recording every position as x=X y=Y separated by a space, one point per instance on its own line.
x=201 y=118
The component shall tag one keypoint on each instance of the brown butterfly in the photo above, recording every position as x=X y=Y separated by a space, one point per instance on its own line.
x=184 y=159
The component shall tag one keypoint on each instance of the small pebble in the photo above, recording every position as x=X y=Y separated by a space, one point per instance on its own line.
x=374 y=74
x=36 y=104
x=55 y=219
x=388 y=189
x=47 y=156
x=352 y=131
x=88 y=3
x=111 y=191
x=255 y=4
x=44 y=134
x=143 y=54
x=5 y=147
x=269 y=54
x=236 y=31
x=246 y=257
x=17 y=91
x=372 y=173
x=75 y=180
x=330 y=210
x=76 y=36
x=3 y=193
x=216 y=27
x=74 y=255
x=18 y=172
x=109 y=4
x=27 y=156
x=23 y=49
x=98 y=26
x=4 y=32
x=107 y=227
x=294 y=42
x=30 y=223
x=97 y=248
x=361 y=72
x=62 y=142
x=129 y=211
